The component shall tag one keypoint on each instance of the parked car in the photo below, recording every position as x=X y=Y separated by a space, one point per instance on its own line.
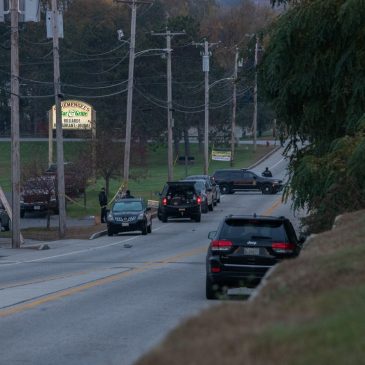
x=244 y=248
x=127 y=215
x=231 y=180
x=4 y=219
x=213 y=185
x=204 y=190
x=75 y=182
x=179 y=199
x=38 y=194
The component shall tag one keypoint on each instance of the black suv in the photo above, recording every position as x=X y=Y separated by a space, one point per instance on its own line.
x=212 y=184
x=128 y=215
x=180 y=199
x=244 y=248
x=231 y=180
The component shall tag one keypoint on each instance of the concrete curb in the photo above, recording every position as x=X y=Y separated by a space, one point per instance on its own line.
x=98 y=234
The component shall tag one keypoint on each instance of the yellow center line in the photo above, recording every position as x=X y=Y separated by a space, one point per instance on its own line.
x=110 y=279
x=68 y=292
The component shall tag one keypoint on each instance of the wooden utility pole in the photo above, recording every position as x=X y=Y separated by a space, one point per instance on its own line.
x=59 y=133
x=206 y=61
x=255 y=97
x=234 y=109
x=132 y=49
x=170 y=158
x=15 y=145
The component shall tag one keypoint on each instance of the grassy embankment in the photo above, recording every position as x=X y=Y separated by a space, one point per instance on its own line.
x=312 y=311
x=147 y=187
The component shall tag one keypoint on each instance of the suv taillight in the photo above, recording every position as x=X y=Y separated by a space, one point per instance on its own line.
x=164 y=201
x=283 y=247
x=221 y=245
x=199 y=200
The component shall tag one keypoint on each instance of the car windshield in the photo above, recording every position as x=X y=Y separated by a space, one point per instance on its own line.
x=127 y=206
x=253 y=229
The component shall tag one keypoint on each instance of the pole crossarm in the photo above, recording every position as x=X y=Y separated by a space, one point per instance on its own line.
x=134 y=2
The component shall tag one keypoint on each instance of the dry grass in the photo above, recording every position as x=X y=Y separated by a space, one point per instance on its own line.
x=311 y=312
x=43 y=234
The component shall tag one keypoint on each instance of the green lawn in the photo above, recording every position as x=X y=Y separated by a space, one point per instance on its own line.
x=154 y=176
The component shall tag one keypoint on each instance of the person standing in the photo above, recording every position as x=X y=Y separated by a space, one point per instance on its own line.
x=103 y=201
x=267 y=173
x=128 y=195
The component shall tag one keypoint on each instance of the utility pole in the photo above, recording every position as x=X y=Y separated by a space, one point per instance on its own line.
x=132 y=49
x=59 y=133
x=206 y=69
x=235 y=75
x=170 y=158
x=15 y=145
x=255 y=97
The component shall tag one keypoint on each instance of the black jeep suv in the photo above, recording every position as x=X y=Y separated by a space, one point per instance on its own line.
x=244 y=248
x=180 y=199
x=231 y=180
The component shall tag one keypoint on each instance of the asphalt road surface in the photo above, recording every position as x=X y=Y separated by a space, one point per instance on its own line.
x=109 y=300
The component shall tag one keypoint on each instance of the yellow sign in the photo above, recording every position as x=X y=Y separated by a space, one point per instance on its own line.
x=221 y=155
x=76 y=115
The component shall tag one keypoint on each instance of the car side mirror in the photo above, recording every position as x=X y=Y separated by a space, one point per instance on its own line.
x=212 y=234
x=302 y=239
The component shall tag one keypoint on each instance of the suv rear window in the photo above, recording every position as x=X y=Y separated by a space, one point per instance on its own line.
x=249 y=229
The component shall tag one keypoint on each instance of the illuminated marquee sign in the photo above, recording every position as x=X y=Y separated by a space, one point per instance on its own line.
x=76 y=115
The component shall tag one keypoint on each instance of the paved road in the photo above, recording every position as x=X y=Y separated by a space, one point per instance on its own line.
x=109 y=300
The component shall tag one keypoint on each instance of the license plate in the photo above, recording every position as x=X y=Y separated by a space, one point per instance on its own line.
x=251 y=251
x=125 y=224
x=182 y=210
x=37 y=207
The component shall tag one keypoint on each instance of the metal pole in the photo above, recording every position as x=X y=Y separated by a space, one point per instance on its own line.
x=59 y=136
x=15 y=145
x=128 y=129
x=233 y=141
x=206 y=121
x=50 y=138
x=255 y=98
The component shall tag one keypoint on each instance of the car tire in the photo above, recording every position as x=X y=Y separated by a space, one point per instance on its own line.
x=22 y=213
x=225 y=189
x=197 y=218
x=163 y=218
x=110 y=232
x=215 y=202
x=144 y=229
x=205 y=208
x=7 y=227
x=212 y=290
x=210 y=207
x=266 y=189
x=149 y=228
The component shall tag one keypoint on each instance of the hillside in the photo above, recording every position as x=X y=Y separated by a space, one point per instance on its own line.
x=310 y=312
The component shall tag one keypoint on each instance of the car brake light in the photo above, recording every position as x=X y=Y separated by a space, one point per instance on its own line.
x=221 y=245
x=215 y=269
x=283 y=247
x=199 y=200
x=164 y=201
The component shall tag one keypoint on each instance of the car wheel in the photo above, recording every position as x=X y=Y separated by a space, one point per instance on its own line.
x=149 y=228
x=205 y=208
x=198 y=218
x=215 y=202
x=110 y=232
x=225 y=189
x=212 y=290
x=145 y=229
x=266 y=189
x=7 y=227
x=210 y=207
x=22 y=213
x=163 y=218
